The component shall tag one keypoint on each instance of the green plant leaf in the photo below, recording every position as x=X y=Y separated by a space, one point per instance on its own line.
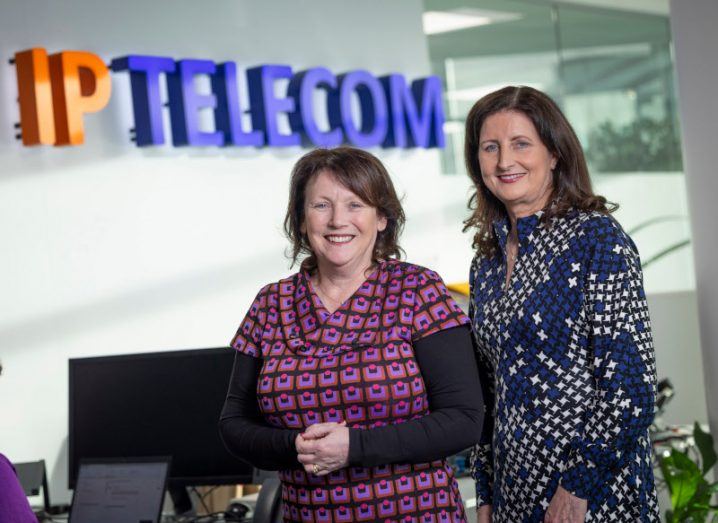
x=699 y=507
x=704 y=442
x=694 y=514
x=683 y=478
x=703 y=494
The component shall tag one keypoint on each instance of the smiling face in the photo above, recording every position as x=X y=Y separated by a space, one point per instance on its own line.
x=515 y=164
x=341 y=227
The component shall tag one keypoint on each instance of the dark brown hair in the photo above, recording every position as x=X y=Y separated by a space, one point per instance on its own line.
x=571 y=183
x=364 y=175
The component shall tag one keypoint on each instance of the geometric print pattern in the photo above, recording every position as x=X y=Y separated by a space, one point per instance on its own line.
x=568 y=352
x=355 y=365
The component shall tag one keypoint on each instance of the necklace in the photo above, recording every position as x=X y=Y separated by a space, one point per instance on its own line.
x=346 y=290
x=331 y=304
x=332 y=301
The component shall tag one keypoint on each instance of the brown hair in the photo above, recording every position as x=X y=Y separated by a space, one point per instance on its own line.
x=364 y=175
x=571 y=183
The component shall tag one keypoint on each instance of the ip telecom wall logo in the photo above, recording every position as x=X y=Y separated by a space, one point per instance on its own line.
x=56 y=92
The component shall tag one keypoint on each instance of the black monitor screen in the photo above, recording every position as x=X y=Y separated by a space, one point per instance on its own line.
x=154 y=404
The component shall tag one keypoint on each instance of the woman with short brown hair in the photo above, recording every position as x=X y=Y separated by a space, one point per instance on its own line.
x=354 y=377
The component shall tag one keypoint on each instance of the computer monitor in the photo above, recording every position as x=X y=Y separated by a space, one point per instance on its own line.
x=154 y=404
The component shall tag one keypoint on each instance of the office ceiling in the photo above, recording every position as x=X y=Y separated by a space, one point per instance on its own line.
x=580 y=26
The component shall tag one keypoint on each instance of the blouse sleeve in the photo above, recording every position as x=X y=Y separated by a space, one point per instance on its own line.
x=448 y=367
x=624 y=370
x=434 y=308
x=248 y=338
x=242 y=426
x=481 y=459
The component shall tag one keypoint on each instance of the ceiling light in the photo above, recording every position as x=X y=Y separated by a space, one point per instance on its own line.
x=436 y=22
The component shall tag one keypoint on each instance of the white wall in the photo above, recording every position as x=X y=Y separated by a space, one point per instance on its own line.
x=674 y=319
x=696 y=46
x=110 y=249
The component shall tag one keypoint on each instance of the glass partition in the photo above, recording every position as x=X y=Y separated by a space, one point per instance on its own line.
x=612 y=73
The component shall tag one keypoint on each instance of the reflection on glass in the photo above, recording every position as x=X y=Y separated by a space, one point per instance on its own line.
x=612 y=73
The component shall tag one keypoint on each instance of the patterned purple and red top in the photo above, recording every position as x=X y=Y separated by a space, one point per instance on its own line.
x=355 y=365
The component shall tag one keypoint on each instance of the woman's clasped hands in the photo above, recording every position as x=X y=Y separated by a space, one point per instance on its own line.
x=566 y=508
x=323 y=448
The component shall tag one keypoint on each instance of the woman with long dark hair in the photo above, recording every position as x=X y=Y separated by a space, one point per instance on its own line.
x=561 y=323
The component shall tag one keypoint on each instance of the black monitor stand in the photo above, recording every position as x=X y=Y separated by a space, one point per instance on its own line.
x=181 y=500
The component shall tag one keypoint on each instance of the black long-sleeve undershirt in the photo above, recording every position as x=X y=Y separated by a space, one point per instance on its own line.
x=243 y=429
x=448 y=366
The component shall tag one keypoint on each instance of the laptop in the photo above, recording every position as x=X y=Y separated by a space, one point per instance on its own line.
x=127 y=490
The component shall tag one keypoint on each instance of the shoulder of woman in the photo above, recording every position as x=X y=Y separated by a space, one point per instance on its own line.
x=6 y=465
x=412 y=270
x=281 y=286
x=269 y=294
x=477 y=259
x=603 y=235
x=597 y=226
x=266 y=290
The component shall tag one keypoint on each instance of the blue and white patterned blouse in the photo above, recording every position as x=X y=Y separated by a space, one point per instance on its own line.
x=567 y=347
